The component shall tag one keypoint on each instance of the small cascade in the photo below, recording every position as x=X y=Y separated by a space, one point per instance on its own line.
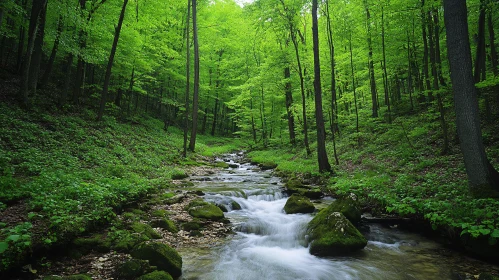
x=270 y=244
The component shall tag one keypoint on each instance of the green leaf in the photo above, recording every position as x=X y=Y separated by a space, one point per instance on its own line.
x=14 y=237
x=484 y=231
x=3 y=246
x=495 y=234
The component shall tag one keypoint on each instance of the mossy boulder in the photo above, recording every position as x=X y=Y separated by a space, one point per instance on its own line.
x=298 y=204
x=156 y=275
x=191 y=226
x=221 y=164
x=347 y=206
x=165 y=224
x=145 y=230
x=204 y=210
x=97 y=242
x=159 y=213
x=222 y=207
x=179 y=175
x=133 y=269
x=267 y=165
x=293 y=183
x=235 y=205
x=332 y=234
x=77 y=277
x=160 y=255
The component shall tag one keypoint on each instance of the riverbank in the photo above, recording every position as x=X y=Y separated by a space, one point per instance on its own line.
x=65 y=175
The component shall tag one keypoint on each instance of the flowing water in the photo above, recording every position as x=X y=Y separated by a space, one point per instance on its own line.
x=270 y=244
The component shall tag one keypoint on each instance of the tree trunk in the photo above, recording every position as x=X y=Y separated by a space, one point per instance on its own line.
x=67 y=80
x=36 y=58
x=409 y=71
x=215 y=113
x=195 y=97
x=387 y=96
x=493 y=50
x=50 y=63
x=188 y=77
x=354 y=89
x=289 y=103
x=438 y=55
x=38 y=6
x=372 y=79
x=110 y=62
x=480 y=49
x=426 y=71
x=481 y=175
x=324 y=165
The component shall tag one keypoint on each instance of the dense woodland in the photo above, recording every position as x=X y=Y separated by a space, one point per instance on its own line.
x=359 y=93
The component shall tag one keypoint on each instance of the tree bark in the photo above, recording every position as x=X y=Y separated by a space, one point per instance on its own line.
x=188 y=77
x=372 y=79
x=324 y=165
x=36 y=58
x=195 y=97
x=387 y=96
x=480 y=49
x=493 y=50
x=289 y=103
x=110 y=62
x=50 y=63
x=482 y=177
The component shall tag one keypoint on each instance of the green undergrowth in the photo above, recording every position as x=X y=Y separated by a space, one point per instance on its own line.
x=398 y=168
x=63 y=175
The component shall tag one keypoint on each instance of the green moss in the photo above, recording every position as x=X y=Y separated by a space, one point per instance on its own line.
x=145 y=230
x=222 y=207
x=52 y=277
x=179 y=175
x=166 y=224
x=159 y=213
x=209 y=211
x=191 y=226
x=332 y=234
x=235 y=205
x=160 y=255
x=488 y=276
x=298 y=204
x=156 y=275
x=196 y=203
x=133 y=269
x=77 y=277
x=221 y=164
x=268 y=165
x=348 y=206
x=96 y=242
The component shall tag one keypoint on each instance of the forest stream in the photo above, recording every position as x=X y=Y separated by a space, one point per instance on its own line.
x=270 y=244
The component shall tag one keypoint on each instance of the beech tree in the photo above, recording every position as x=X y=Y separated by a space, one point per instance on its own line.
x=482 y=176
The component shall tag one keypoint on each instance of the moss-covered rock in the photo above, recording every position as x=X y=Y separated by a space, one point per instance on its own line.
x=331 y=234
x=160 y=255
x=298 y=204
x=347 y=206
x=195 y=203
x=235 y=205
x=77 y=277
x=222 y=207
x=97 y=242
x=488 y=276
x=293 y=183
x=145 y=230
x=221 y=164
x=159 y=213
x=210 y=212
x=296 y=186
x=267 y=165
x=179 y=175
x=156 y=275
x=191 y=226
x=133 y=269
x=165 y=224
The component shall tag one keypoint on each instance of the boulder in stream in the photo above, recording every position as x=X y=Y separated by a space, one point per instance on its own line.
x=296 y=186
x=347 y=206
x=209 y=211
x=235 y=205
x=298 y=204
x=332 y=234
x=133 y=269
x=160 y=255
x=267 y=165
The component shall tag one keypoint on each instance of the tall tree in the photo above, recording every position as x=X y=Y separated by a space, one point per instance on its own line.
x=482 y=176
x=319 y=118
x=107 y=77
x=187 y=77
x=372 y=79
x=195 y=97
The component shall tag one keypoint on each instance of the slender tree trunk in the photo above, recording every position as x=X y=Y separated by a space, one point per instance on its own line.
x=480 y=49
x=262 y=116
x=322 y=158
x=38 y=6
x=409 y=71
x=20 y=45
x=36 y=57
x=50 y=63
x=192 y=143
x=493 y=50
x=67 y=80
x=289 y=104
x=482 y=176
x=438 y=55
x=426 y=71
x=188 y=77
x=354 y=89
x=372 y=79
x=387 y=96
x=215 y=113
x=253 y=126
x=110 y=62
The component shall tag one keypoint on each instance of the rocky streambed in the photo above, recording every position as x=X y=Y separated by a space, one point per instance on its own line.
x=254 y=238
